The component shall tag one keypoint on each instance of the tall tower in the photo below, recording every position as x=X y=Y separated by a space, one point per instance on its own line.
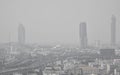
x=113 y=30
x=21 y=34
x=83 y=35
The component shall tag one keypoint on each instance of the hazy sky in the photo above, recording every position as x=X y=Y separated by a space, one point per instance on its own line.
x=57 y=21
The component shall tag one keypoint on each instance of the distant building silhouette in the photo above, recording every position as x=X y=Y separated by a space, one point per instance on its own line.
x=83 y=35
x=107 y=53
x=21 y=34
x=113 y=30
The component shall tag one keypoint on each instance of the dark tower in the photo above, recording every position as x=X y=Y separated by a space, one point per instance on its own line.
x=113 y=30
x=21 y=34
x=83 y=35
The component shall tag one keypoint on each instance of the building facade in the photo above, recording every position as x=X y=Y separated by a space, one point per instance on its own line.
x=21 y=34
x=83 y=35
x=113 y=30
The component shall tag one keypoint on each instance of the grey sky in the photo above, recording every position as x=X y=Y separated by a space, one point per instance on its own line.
x=57 y=21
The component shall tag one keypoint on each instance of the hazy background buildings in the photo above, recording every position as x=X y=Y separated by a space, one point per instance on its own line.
x=87 y=23
x=51 y=21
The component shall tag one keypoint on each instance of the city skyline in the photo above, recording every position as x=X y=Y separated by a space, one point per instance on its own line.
x=45 y=21
x=82 y=34
x=59 y=37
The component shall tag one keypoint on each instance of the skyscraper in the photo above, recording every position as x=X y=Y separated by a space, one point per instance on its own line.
x=83 y=35
x=21 y=34
x=113 y=30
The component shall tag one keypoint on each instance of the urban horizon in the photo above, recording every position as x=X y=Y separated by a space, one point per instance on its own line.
x=82 y=30
x=59 y=37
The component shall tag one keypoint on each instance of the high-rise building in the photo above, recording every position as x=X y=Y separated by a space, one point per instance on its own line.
x=21 y=34
x=113 y=30
x=83 y=35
